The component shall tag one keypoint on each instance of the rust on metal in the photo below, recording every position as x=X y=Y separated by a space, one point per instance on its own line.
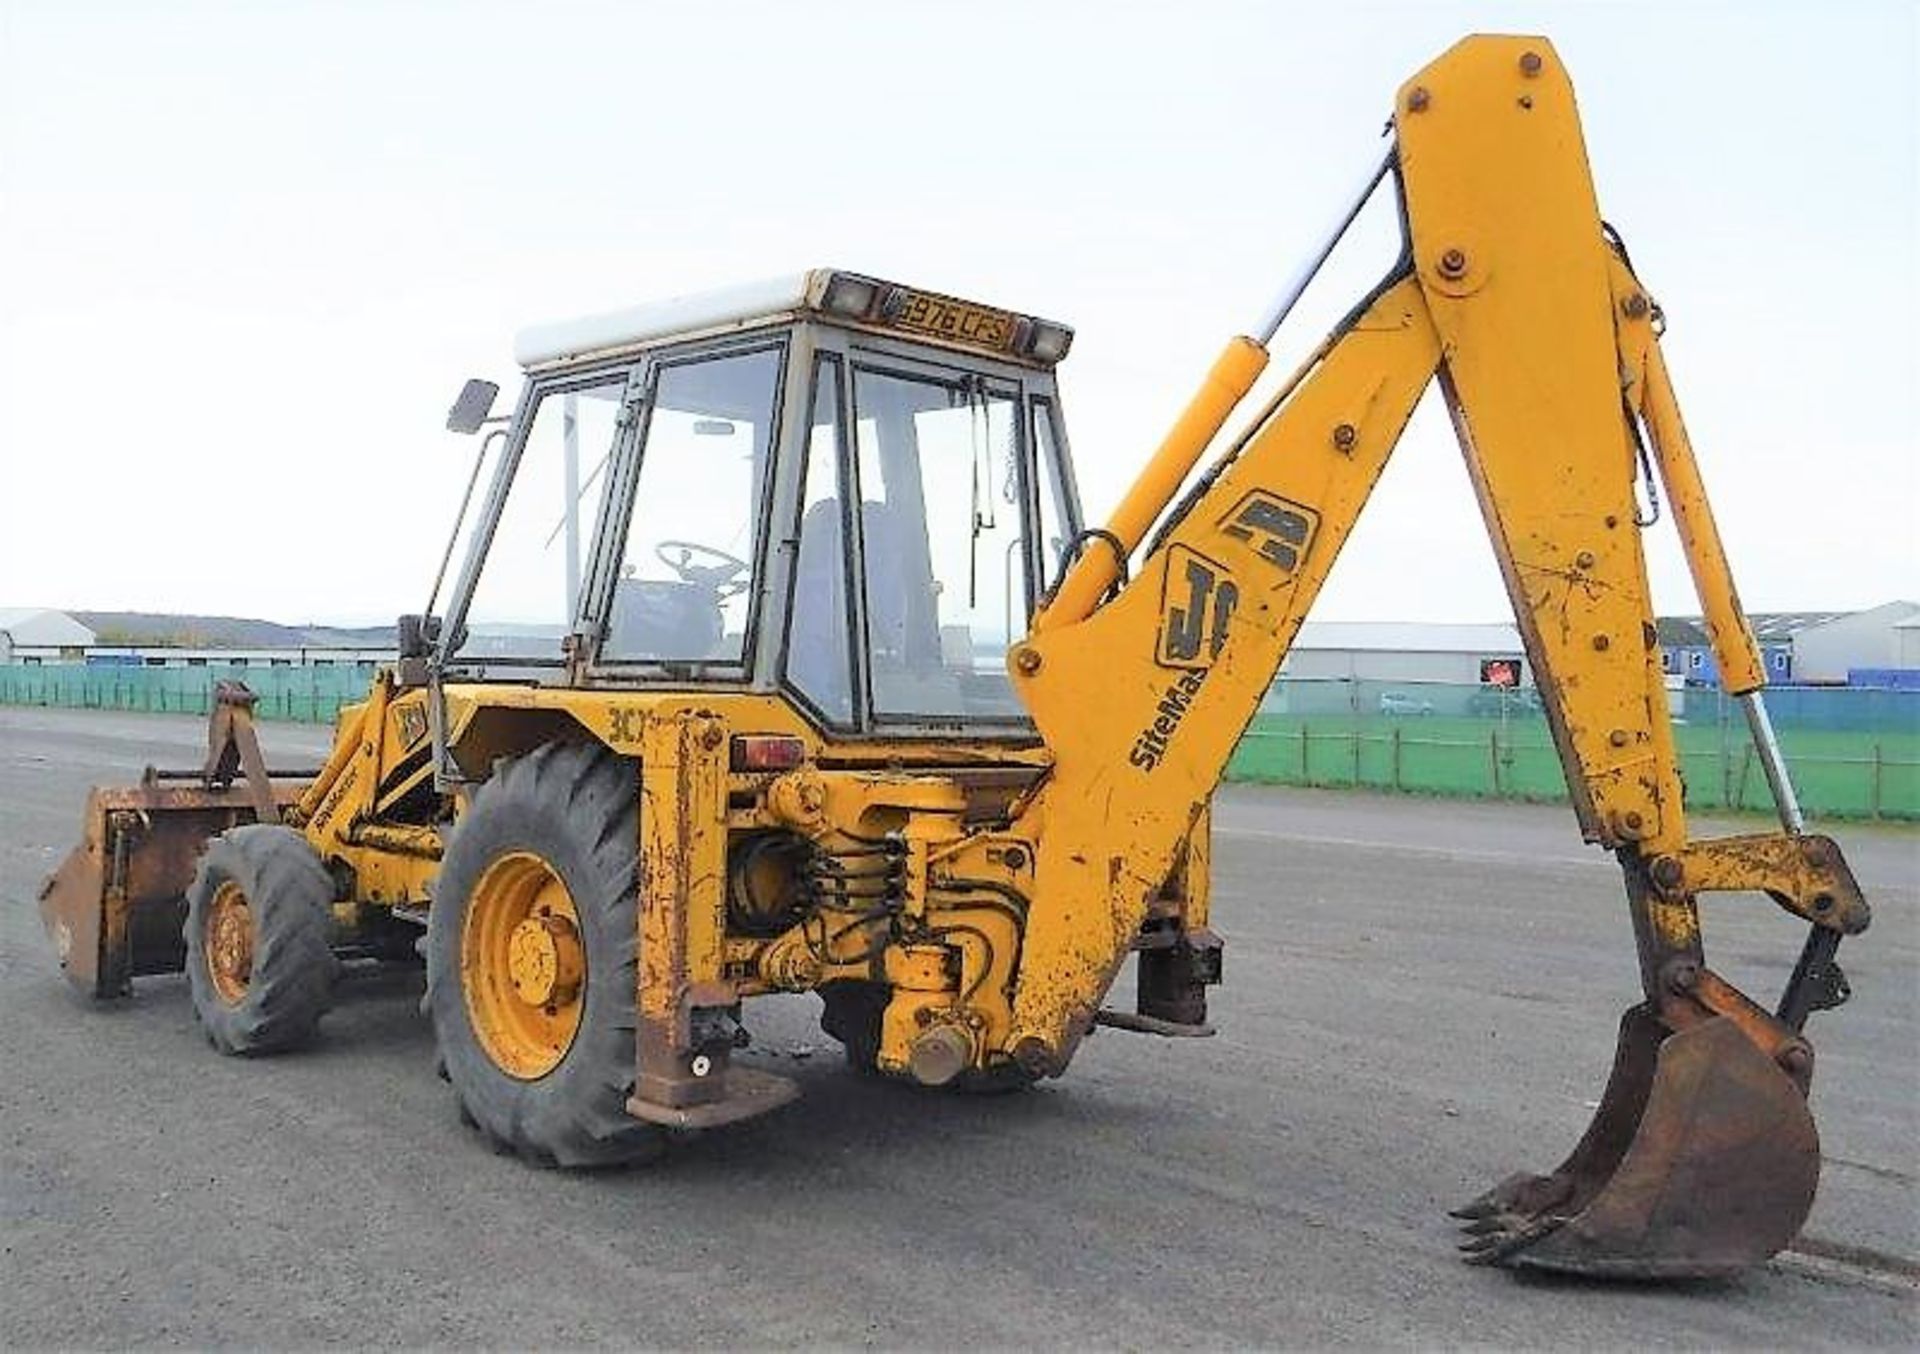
x=115 y=907
x=1701 y=1161
x=1806 y=874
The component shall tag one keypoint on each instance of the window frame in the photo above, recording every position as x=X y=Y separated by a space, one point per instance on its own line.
x=917 y=364
x=854 y=628
x=610 y=541
x=1046 y=403
x=480 y=541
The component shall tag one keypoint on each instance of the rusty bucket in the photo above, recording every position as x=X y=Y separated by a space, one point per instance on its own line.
x=1701 y=1161
x=116 y=906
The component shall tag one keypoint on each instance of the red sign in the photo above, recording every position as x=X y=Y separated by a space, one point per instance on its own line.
x=1500 y=671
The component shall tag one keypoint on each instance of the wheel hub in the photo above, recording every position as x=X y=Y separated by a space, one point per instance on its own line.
x=544 y=960
x=229 y=943
x=523 y=965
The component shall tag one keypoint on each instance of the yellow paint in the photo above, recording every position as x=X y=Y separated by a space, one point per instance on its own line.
x=1008 y=918
x=228 y=943
x=521 y=914
x=1234 y=372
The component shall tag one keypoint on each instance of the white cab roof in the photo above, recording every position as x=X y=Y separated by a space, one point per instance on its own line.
x=720 y=309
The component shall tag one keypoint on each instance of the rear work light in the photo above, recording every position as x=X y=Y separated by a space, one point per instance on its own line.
x=767 y=752
x=1045 y=341
x=850 y=295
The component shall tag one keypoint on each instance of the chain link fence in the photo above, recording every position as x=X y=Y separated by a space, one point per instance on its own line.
x=309 y=694
x=1854 y=753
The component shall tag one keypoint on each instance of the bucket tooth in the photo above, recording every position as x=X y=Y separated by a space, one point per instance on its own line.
x=1701 y=1161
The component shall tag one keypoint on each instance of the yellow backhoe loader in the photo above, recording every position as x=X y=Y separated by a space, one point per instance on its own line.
x=781 y=661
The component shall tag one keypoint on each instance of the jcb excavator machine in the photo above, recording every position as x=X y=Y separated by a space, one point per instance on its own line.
x=780 y=661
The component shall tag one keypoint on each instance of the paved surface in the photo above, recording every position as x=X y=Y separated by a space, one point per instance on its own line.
x=1421 y=997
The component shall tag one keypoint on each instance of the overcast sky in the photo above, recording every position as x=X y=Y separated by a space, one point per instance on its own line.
x=249 y=252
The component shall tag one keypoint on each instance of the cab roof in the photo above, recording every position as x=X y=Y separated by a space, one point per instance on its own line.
x=833 y=294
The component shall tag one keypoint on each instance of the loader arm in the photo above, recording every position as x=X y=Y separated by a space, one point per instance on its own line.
x=1515 y=297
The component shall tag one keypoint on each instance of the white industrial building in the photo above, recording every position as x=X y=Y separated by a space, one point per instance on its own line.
x=37 y=635
x=177 y=656
x=1403 y=651
x=1880 y=637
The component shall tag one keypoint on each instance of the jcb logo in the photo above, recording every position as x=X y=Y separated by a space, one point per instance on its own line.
x=1196 y=603
x=1280 y=531
x=413 y=724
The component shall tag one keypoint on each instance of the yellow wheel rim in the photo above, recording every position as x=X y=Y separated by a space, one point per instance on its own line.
x=229 y=943
x=522 y=966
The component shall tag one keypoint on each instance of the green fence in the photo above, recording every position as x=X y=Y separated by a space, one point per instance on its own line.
x=309 y=694
x=1853 y=753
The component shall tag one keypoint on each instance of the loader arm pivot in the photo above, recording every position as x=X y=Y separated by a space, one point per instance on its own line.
x=1514 y=295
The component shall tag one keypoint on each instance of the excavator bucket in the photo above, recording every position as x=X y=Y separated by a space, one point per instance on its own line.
x=115 y=907
x=1701 y=1161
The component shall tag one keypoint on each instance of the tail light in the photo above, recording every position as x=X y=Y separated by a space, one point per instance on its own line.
x=767 y=752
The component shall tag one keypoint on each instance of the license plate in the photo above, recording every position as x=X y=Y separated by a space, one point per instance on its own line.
x=962 y=321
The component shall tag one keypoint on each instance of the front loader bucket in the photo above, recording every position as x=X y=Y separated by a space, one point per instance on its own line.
x=1701 y=1161
x=114 y=909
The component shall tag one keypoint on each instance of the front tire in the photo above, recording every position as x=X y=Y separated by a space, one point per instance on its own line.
x=531 y=945
x=258 y=959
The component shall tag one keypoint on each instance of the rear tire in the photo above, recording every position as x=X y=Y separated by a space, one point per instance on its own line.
x=259 y=913
x=546 y=855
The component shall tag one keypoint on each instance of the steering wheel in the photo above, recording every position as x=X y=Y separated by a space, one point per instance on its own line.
x=725 y=574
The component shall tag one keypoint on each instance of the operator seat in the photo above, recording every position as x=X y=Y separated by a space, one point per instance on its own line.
x=901 y=631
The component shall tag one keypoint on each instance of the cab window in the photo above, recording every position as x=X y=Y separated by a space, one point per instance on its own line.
x=685 y=585
x=524 y=600
x=941 y=485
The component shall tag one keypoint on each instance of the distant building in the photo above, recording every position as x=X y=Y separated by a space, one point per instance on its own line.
x=1686 y=653
x=1880 y=638
x=1405 y=651
x=36 y=635
x=180 y=656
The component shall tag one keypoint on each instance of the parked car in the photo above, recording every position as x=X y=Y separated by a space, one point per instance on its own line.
x=1400 y=703
x=1492 y=700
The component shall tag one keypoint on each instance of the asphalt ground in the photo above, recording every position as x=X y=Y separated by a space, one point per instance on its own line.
x=1421 y=997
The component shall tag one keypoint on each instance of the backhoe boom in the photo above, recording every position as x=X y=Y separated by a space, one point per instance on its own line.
x=1514 y=296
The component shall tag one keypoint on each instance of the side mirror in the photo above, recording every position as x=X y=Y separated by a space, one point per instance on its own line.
x=471 y=409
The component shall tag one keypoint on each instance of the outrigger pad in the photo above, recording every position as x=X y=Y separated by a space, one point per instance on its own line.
x=1701 y=1161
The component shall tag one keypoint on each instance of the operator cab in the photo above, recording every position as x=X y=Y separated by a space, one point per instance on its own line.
x=842 y=488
